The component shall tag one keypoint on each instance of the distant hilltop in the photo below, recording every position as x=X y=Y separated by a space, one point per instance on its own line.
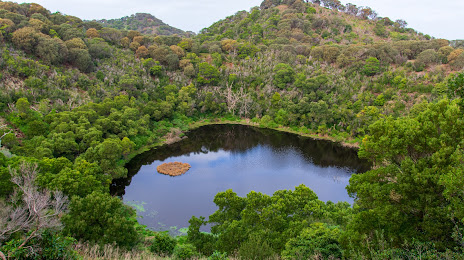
x=144 y=23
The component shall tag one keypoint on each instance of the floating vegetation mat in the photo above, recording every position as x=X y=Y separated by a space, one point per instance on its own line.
x=173 y=168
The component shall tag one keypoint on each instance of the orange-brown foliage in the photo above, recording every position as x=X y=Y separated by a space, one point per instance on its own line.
x=173 y=168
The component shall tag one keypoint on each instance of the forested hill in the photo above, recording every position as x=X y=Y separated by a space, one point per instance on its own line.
x=79 y=100
x=296 y=22
x=144 y=23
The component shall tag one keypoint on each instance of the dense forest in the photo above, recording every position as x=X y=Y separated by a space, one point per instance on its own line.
x=81 y=98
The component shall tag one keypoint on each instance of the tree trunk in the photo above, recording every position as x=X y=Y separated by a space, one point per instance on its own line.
x=2 y=255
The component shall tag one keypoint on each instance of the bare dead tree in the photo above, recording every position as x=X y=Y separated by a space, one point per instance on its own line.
x=5 y=133
x=233 y=97
x=31 y=209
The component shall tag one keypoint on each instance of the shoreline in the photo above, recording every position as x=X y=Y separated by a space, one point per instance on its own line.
x=246 y=122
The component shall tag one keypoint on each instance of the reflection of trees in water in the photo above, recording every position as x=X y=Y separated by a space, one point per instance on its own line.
x=238 y=139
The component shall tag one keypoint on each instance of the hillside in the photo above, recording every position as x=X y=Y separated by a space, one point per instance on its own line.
x=314 y=24
x=79 y=100
x=144 y=23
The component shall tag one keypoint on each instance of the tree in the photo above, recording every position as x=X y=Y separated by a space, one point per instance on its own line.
x=260 y=218
x=110 y=34
x=172 y=61
x=177 y=50
x=100 y=49
x=23 y=107
x=142 y=52
x=52 y=50
x=283 y=75
x=406 y=194
x=92 y=33
x=207 y=74
x=32 y=209
x=39 y=25
x=134 y=46
x=76 y=43
x=127 y=146
x=81 y=59
x=426 y=58
x=103 y=219
x=26 y=38
x=186 y=44
x=125 y=42
x=6 y=25
x=371 y=66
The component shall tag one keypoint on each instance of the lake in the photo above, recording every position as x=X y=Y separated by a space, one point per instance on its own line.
x=237 y=157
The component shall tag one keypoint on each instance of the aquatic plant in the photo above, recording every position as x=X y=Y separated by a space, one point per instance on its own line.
x=173 y=168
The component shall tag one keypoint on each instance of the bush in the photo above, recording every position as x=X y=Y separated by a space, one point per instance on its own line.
x=283 y=75
x=319 y=239
x=372 y=66
x=218 y=256
x=185 y=251
x=49 y=245
x=426 y=58
x=102 y=219
x=163 y=244
x=255 y=248
x=156 y=70
x=9 y=141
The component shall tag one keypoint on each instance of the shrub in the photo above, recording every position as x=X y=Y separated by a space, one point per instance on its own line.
x=163 y=244
x=255 y=248
x=218 y=256
x=319 y=239
x=283 y=75
x=185 y=251
x=372 y=66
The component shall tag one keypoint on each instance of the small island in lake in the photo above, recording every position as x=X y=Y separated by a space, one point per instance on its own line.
x=173 y=168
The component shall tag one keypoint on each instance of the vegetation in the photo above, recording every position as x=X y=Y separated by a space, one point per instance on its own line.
x=143 y=23
x=80 y=98
x=173 y=168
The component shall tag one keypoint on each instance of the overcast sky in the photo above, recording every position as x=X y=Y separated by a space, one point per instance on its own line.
x=443 y=19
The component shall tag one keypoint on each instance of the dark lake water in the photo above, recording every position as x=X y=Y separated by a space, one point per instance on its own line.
x=236 y=157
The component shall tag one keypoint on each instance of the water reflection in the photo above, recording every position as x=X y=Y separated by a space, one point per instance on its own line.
x=234 y=157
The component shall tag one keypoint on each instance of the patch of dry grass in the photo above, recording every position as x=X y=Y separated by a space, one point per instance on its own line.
x=173 y=168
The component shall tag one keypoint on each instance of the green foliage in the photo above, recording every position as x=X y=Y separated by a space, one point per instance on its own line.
x=418 y=160
x=53 y=245
x=218 y=256
x=184 y=251
x=163 y=244
x=156 y=71
x=456 y=86
x=371 y=66
x=9 y=141
x=204 y=242
x=207 y=74
x=260 y=225
x=49 y=245
x=100 y=218
x=298 y=66
x=255 y=248
x=81 y=181
x=283 y=75
x=81 y=59
x=317 y=240
x=23 y=106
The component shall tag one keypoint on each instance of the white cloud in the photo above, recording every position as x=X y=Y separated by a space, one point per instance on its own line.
x=439 y=19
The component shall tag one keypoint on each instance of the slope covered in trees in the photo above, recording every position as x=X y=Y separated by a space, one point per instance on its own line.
x=78 y=100
x=144 y=23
